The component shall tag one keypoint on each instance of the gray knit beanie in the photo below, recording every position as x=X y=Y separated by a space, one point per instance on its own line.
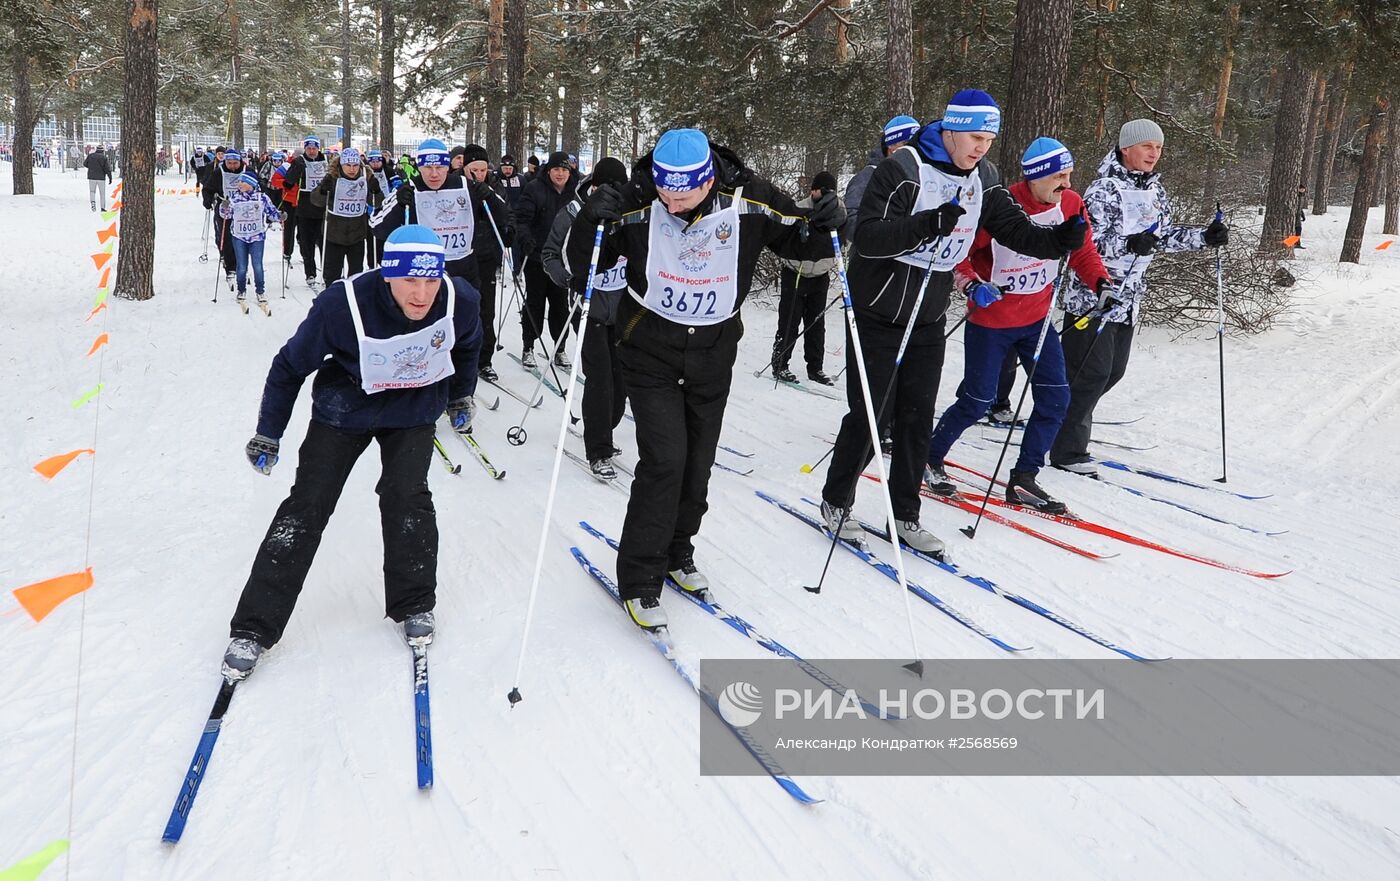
x=1135 y=131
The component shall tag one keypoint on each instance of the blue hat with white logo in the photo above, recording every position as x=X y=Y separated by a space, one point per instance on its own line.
x=311 y=141
x=279 y=156
x=901 y=128
x=349 y=156
x=413 y=251
x=250 y=179
x=231 y=153
x=1044 y=157
x=433 y=152
x=682 y=160
x=972 y=110
x=372 y=155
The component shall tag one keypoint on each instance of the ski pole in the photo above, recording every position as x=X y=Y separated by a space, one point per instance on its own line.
x=916 y=666
x=790 y=346
x=204 y=257
x=971 y=531
x=1220 y=340
x=514 y=697
x=1083 y=322
x=218 y=262
x=539 y=334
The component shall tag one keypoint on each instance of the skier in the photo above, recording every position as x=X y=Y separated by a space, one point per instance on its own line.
x=507 y=182
x=305 y=174
x=247 y=213
x=917 y=220
x=542 y=200
x=443 y=201
x=389 y=180
x=802 y=286
x=1009 y=296
x=220 y=183
x=605 y=395
x=98 y=168
x=487 y=249
x=346 y=194
x=199 y=164
x=366 y=389
x=1132 y=219
x=896 y=134
x=692 y=223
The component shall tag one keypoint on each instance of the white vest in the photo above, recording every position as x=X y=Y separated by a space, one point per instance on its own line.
x=449 y=214
x=349 y=197
x=693 y=271
x=1018 y=274
x=409 y=360
x=938 y=188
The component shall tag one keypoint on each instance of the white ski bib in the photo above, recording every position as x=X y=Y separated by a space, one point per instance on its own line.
x=1018 y=274
x=614 y=279
x=1139 y=212
x=938 y=188
x=409 y=360
x=247 y=219
x=350 y=197
x=315 y=171
x=383 y=181
x=693 y=272
x=449 y=213
x=230 y=181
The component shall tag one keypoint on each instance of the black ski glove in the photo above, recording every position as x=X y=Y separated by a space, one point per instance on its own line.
x=1142 y=243
x=262 y=452
x=508 y=235
x=482 y=191
x=826 y=214
x=1217 y=234
x=941 y=221
x=1069 y=234
x=405 y=198
x=605 y=204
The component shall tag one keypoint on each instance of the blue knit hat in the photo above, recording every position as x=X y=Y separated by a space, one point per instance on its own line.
x=413 y=251
x=311 y=141
x=279 y=156
x=1044 y=157
x=250 y=179
x=682 y=160
x=373 y=155
x=349 y=156
x=231 y=153
x=901 y=128
x=972 y=110
x=433 y=152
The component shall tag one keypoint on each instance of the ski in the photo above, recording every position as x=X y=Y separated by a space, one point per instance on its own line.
x=888 y=571
x=616 y=460
x=1117 y=446
x=723 y=467
x=740 y=453
x=992 y=587
x=513 y=394
x=581 y=462
x=744 y=628
x=821 y=393
x=446 y=459
x=1078 y=522
x=242 y=304
x=1171 y=478
x=537 y=374
x=662 y=645
x=479 y=454
x=266 y=309
x=1187 y=508
x=422 y=718
x=180 y=814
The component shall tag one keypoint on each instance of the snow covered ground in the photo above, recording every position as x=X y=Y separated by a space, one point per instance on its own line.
x=595 y=774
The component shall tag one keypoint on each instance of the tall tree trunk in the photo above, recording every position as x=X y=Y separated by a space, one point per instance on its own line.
x=1331 y=137
x=1039 y=64
x=262 y=118
x=1392 y=175
x=843 y=38
x=495 y=73
x=137 y=245
x=899 y=59
x=388 y=105
x=1290 y=125
x=347 y=85
x=23 y=165
x=1375 y=124
x=553 y=104
x=1319 y=104
x=235 y=81
x=517 y=33
x=1222 y=98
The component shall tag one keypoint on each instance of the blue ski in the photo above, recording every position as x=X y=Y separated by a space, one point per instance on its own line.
x=1171 y=478
x=1187 y=508
x=537 y=374
x=888 y=571
x=422 y=718
x=180 y=814
x=754 y=748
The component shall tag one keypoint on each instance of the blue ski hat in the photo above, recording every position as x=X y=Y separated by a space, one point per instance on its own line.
x=972 y=110
x=433 y=152
x=375 y=154
x=413 y=251
x=1044 y=157
x=311 y=141
x=901 y=128
x=349 y=156
x=250 y=179
x=279 y=156
x=231 y=153
x=681 y=160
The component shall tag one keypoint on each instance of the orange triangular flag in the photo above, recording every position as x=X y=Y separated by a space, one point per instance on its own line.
x=95 y=309
x=1292 y=241
x=117 y=188
x=42 y=597
x=104 y=234
x=100 y=259
x=117 y=205
x=106 y=274
x=102 y=340
x=54 y=464
x=1385 y=244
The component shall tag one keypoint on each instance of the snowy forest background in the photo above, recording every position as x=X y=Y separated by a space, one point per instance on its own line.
x=1256 y=98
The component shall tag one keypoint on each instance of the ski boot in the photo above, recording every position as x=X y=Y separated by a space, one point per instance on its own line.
x=820 y=378
x=647 y=613
x=418 y=629
x=936 y=479
x=240 y=658
x=1021 y=489
x=841 y=523
x=691 y=579
x=918 y=538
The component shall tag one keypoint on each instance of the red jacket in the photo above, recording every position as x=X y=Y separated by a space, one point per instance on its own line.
x=1019 y=310
x=279 y=182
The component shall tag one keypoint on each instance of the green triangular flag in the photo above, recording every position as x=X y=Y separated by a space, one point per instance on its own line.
x=31 y=866
x=86 y=396
x=110 y=215
x=101 y=298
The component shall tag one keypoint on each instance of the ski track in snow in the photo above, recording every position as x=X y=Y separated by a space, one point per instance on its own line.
x=594 y=774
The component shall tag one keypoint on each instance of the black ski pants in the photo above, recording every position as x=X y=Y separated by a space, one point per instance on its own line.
x=605 y=393
x=1095 y=362
x=541 y=291
x=802 y=299
x=678 y=381
x=342 y=261
x=289 y=234
x=223 y=237
x=487 y=270
x=309 y=232
x=908 y=412
x=407 y=518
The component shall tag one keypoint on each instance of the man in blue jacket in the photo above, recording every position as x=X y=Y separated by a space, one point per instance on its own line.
x=392 y=349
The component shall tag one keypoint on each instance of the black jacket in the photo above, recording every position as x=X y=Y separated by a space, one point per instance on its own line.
x=539 y=203
x=884 y=289
x=214 y=182
x=97 y=165
x=347 y=230
x=394 y=214
x=509 y=187
x=296 y=177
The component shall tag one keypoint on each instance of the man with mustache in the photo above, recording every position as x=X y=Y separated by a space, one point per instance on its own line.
x=1009 y=296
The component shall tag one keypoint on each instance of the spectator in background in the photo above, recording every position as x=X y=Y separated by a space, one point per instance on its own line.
x=98 y=168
